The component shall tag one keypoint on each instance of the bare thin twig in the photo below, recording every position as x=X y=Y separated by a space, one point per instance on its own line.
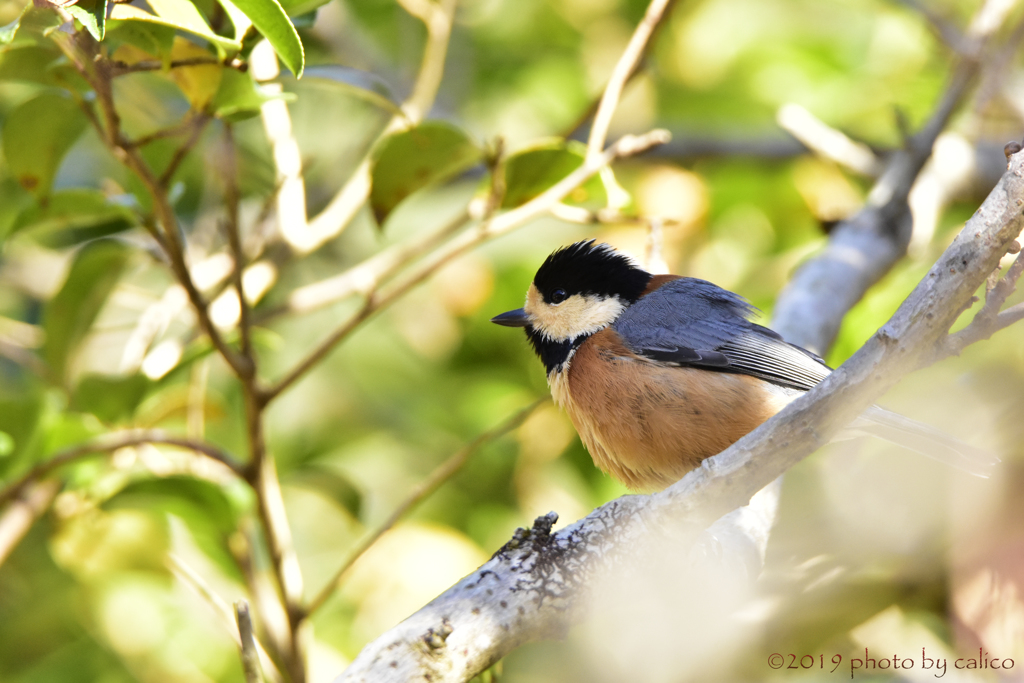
x=995 y=78
x=306 y=235
x=235 y=243
x=83 y=53
x=28 y=359
x=198 y=124
x=622 y=72
x=585 y=216
x=828 y=142
x=440 y=475
x=222 y=609
x=367 y=276
x=263 y=469
x=637 y=68
x=171 y=131
x=19 y=517
x=250 y=657
x=950 y=34
x=274 y=517
x=654 y=258
x=989 y=319
x=119 y=68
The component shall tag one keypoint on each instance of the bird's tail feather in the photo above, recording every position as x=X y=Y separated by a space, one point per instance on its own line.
x=926 y=440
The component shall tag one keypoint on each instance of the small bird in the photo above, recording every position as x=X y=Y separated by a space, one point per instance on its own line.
x=659 y=372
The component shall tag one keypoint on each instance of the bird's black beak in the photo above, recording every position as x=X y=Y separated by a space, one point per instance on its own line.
x=516 y=318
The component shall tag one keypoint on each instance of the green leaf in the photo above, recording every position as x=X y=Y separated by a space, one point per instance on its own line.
x=270 y=19
x=530 y=172
x=408 y=161
x=202 y=505
x=109 y=398
x=298 y=8
x=28 y=64
x=356 y=83
x=92 y=14
x=10 y=30
x=74 y=216
x=20 y=414
x=32 y=27
x=332 y=484
x=239 y=97
x=178 y=14
x=153 y=39
x=65 y=76
x=199 y=82
x=302 y=19
x=68 y=317
x=242 y=24
x=36 y=137
x=6 y=444
x=40 y=64
x=66 y=430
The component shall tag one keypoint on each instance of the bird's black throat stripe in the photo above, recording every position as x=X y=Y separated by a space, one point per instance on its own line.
x=553 y=354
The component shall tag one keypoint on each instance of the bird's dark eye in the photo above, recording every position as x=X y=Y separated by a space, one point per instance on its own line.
x=558 y=296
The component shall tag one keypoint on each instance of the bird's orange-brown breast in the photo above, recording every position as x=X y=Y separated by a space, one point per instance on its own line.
x=648 y=424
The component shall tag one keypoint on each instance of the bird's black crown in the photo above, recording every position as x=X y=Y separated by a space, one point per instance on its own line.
x=589 y=268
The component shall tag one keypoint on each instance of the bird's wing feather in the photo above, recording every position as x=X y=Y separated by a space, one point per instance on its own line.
x=690 y=322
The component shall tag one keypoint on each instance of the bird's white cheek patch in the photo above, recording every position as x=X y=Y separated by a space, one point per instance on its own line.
x=576 y=316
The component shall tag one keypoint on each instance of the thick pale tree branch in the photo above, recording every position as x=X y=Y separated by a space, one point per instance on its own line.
x=863 y=248
x=536 y=585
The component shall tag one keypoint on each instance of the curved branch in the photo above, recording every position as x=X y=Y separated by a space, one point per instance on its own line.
x=109 y=444
x=339 y=212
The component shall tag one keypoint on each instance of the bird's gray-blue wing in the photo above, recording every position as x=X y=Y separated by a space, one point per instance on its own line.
x=691 y=322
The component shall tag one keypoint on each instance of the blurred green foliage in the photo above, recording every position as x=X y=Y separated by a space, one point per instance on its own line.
x=95 y=336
